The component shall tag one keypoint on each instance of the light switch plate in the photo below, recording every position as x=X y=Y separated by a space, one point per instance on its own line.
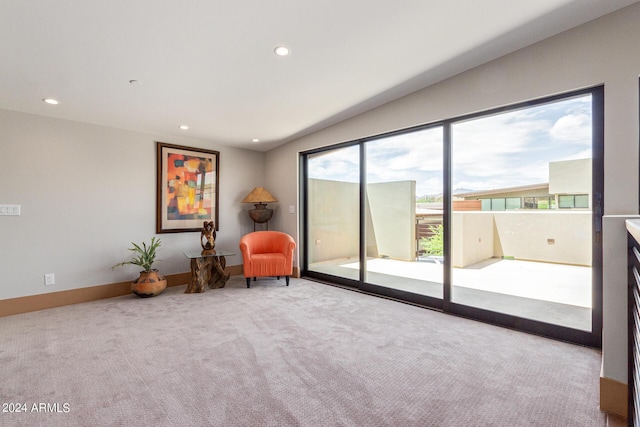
x=10 y=210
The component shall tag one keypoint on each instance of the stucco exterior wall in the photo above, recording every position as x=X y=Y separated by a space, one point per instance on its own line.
x=547 y=236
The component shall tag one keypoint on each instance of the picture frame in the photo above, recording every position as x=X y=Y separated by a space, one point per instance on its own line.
x=187 y=188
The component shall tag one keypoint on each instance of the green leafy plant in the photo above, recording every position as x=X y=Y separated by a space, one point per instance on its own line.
x=434 y=244
x=146 y=255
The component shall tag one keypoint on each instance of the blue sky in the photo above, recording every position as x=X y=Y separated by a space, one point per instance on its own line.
x=503 y=150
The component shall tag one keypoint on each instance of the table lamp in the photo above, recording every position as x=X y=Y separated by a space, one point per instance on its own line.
x=260 y=197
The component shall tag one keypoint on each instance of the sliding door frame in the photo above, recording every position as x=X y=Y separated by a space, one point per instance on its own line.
x=591 y=338
x=304 y=210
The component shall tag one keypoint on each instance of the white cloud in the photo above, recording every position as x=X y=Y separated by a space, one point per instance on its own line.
x=572 y=128
x=340 y=164
x=503 y=150
x=515 y=148
x=491 y=145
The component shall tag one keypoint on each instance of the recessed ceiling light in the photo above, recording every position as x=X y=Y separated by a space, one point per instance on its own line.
x=255 y=140
x=184 y=127
x=51 y=101
x=281 y=51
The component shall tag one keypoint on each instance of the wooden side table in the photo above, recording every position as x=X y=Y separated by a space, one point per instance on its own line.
x=207 y=267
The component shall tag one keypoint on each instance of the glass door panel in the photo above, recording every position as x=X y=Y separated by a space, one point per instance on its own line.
x=404 y=212
x=333 y=212
x=521 y=234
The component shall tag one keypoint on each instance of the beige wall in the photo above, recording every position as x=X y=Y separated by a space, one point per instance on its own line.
x=471 y=238
x=547 y=236
x=392 y=206
x=87 y=192
x=334 y=220
x=600 y=52
x=570 y=177
x=523 y=235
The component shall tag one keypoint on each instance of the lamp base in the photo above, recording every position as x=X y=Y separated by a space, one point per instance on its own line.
x=260 y=214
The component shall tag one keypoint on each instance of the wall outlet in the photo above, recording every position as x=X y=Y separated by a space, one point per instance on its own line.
x=292 y=209
x=49 y=279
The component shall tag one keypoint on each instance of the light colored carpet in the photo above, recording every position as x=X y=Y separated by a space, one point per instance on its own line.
x=304 y=355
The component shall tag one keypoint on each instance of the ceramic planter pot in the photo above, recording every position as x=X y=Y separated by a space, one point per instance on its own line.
x=149 y=284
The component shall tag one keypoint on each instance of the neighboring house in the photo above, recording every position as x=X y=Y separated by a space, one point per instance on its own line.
x=569 y=187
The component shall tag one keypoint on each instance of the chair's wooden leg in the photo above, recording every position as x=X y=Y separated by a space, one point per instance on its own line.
x=248 y=282
x=277 y=277
x=287 y=279
x=255 y=278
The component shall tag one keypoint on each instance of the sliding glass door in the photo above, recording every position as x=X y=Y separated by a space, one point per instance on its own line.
x=494 y=216
x=332 y=245
x=403 y=213
x=374 y=214
x=522 y=212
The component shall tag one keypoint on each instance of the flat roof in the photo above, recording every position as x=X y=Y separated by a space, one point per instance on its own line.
x=544 y=186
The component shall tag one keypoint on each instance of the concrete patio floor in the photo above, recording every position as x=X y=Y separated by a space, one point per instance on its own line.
x=552 y=293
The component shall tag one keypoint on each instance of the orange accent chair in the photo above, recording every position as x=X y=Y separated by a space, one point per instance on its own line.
x=267 y=254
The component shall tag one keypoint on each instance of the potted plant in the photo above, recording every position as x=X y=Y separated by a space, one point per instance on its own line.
x=150 y=283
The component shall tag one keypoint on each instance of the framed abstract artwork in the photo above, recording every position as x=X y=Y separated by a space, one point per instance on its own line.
x=187 y=188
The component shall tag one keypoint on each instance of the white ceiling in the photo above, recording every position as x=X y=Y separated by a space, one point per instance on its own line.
x=210 y=64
